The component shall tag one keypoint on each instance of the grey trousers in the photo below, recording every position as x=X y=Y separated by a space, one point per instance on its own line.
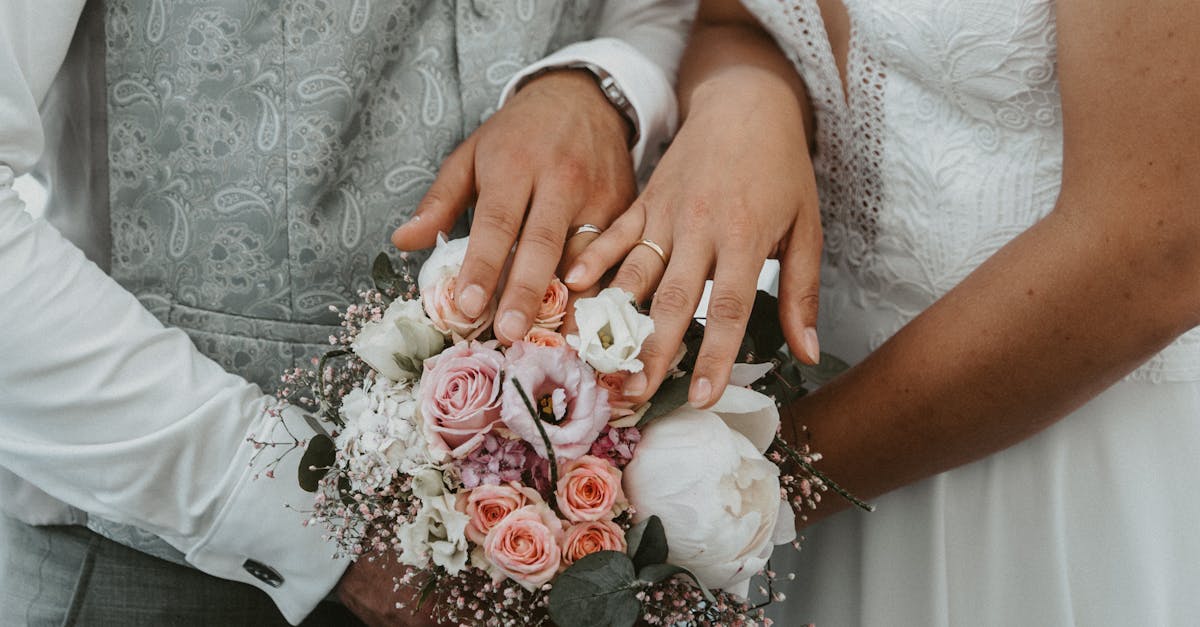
x=68 y=576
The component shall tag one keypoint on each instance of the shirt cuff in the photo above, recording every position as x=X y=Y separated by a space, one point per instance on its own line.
x=260 y=538
x=644 y=84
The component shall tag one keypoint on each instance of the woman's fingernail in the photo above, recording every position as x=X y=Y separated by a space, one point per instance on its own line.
x=701 y=392
x=472 y=301
x=811 y=346
x=574 y=275
x=635 y=385
x=512 y=325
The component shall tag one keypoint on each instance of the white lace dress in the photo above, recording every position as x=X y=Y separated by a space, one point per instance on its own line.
x=949 y=144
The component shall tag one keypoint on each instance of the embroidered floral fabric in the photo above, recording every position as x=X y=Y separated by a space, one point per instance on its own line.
x=946 y=144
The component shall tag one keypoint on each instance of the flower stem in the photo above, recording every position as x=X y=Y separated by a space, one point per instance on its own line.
x=799 y=460
x=542 y=430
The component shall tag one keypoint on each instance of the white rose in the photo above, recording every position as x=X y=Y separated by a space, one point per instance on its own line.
x=445 y=261
x=611 y=331
x=381 y=437
x=438 y=532
x=396 y=345
x=704 y=475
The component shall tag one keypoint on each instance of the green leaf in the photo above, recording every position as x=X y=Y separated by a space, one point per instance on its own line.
x=823 y=372
x=383 y=274
x=655 y=573
x=315 y=424
x=599 y=590
x=316 y=461
x=647 y=543
x=671 y=395
x=764 y=330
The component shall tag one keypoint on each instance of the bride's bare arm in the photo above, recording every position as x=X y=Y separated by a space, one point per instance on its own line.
x=746 y=113
x=1111 y=276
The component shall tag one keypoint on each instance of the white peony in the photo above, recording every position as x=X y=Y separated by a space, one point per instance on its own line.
x=611 y=331
x=396 y=345
x=704 y=474
x=437 y=533
x=381 y=436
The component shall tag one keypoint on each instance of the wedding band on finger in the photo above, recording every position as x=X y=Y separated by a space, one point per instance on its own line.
x=658 y=250
x=587 y=228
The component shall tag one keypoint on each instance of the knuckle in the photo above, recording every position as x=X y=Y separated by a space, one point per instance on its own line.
x=477 y=267
x=433 y=199
x=728 y=308
x=542 y=237
x=522 y=293
x=673 y=299
x=498 y=221
x=633 y=274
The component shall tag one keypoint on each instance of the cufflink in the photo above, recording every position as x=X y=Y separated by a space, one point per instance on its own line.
x=263 y=573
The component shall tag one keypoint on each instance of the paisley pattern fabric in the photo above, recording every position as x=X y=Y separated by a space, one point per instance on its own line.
x=262 y=151
x=945 y=144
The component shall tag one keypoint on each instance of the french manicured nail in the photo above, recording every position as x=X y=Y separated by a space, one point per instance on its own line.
x=810 y=344
x=635 y=384
x=512 y=325
x=472 y=301
x=574 y=275
x=700 y=393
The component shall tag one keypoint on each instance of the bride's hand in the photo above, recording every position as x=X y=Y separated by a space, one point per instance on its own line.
x=558 y=149
x=735 y=187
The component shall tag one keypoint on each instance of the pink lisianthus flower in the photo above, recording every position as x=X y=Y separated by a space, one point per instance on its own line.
x=526 y=546
x=589 y=489
x=554 y=306
x=583 y=539
x=571 y=407
x=460 y=398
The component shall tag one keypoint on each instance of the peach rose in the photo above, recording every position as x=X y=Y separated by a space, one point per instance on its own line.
x=590 y=537
x=554 y=306
x=448 y=318
x=488 y=505
x=589 y=488
x=460 y=398
x=525 y=546
x=545 y=337
x=624 y=413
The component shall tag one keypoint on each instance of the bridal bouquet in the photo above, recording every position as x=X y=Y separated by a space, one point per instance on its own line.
x=518 y=485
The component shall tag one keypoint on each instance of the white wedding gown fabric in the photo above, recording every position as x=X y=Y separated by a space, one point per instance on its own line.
x=947 y=145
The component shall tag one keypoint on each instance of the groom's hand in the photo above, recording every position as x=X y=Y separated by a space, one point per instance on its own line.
x=367 y=590
x=555 y=157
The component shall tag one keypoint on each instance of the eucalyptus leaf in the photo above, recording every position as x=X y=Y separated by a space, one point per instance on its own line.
x=316 y=461
x=655 y=573
x=383 y=274
x=671 y=395
x=822 y=373
x=649 y=545
x=315 y=424
x=763 y=329
x=599 y=590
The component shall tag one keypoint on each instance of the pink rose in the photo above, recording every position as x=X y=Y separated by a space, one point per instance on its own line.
x=545 y=337
x=460 y=398
x=590 y=537
x=525 y=546
x=571 y=407
x=614 y=383
x=554 y=306
x=448 y=318
x=488 y=505
x=589 y=488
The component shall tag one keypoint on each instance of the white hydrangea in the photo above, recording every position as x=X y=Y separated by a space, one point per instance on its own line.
x=381 y=436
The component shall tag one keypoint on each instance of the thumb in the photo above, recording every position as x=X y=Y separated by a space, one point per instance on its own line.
x=799 y=288
x=446 y=200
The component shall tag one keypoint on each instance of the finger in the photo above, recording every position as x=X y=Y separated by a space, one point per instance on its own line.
x=729 y=305
x=576 y=244
x=799 y=287
x=673 y=309
x=448 y=197
x=643 y=267
x=498 y=217
x=607 y=250
x=538 y=253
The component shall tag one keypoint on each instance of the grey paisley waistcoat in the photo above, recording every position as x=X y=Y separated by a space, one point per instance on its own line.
x=260 y=153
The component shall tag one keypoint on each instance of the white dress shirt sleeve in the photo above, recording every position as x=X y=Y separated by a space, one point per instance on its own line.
x=103 y=407
x=639 y=43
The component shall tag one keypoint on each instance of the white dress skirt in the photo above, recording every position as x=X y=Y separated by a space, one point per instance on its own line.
x=946 y=145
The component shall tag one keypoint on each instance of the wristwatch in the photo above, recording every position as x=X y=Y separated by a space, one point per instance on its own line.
x=608 y=86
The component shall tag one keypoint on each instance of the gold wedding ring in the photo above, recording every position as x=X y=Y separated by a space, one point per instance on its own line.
x=658 y=250
x=587 y=228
